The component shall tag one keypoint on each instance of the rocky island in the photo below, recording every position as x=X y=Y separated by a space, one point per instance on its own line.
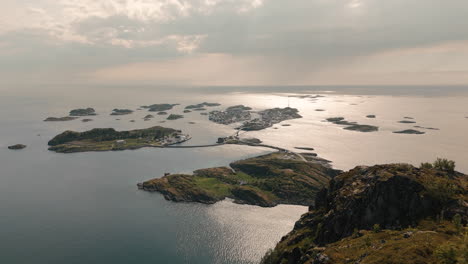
x=202 y=105
x=107 y=139
x=121 y=111
x=83 y=112
x=384 y=214
x=174 y=117
x=265 y=181
x=159 y=107
x=270 y=117
x=231 y=115
x=58 y=119
x=409 y=131
x=17 y=147
x=352 y=125
x=406 y=122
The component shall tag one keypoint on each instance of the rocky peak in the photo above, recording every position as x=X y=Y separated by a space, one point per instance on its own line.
x=390 y=197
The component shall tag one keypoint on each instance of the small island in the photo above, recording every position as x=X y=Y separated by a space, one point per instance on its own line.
x=121 y=111
x=17 y=147
x=58 y=119
x=86 y=120
x=202 y=105
x=353 y=126
x=148 y=117
x=406 y=122
x=362 y=128
x=174 y=117
x=107 y=139
x=83 y=112
x=409 y=131
x=428 y=128
x=278 y=178
x=159 y=107
x=162 y=113
x=370 y=116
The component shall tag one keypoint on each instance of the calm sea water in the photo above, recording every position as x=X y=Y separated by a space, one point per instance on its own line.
x=85 y=207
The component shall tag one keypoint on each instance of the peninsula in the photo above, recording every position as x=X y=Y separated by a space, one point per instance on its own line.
x=107 y=139
x=278 y=178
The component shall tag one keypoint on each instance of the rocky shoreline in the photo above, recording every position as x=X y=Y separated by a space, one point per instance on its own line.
x=278 y=178
x=108 y=139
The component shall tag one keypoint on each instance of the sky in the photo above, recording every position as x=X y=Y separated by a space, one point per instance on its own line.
x=234 y=42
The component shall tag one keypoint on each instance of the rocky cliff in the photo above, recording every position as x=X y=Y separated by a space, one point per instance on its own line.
x=365 y=213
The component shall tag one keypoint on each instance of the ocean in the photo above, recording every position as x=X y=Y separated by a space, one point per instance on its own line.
x=86 y=208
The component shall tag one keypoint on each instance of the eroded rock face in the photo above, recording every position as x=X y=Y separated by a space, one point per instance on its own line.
x=393 y=196
x=391 y=203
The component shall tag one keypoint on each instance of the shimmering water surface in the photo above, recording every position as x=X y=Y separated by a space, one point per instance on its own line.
x=85 y=207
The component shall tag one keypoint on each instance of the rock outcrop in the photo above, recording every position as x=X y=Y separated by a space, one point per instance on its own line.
x=380 y=199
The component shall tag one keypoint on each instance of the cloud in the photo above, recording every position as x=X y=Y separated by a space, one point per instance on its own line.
x=297 y=41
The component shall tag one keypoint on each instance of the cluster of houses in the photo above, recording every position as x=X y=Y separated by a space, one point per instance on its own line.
x=175 y=138
x=270 y=117
x=229 y=117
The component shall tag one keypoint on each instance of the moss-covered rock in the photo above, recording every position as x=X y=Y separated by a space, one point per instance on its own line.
x=392 y=197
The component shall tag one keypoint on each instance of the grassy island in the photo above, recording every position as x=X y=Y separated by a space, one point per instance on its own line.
x=265 y=181
x=106 y=139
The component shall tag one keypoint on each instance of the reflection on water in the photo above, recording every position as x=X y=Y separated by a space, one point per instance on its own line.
x=85 y=208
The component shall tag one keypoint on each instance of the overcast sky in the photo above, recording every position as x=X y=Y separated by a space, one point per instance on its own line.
x=234 y=42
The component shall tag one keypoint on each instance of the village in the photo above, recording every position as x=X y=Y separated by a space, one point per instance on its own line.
x=231 y=115
x=174 y=138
